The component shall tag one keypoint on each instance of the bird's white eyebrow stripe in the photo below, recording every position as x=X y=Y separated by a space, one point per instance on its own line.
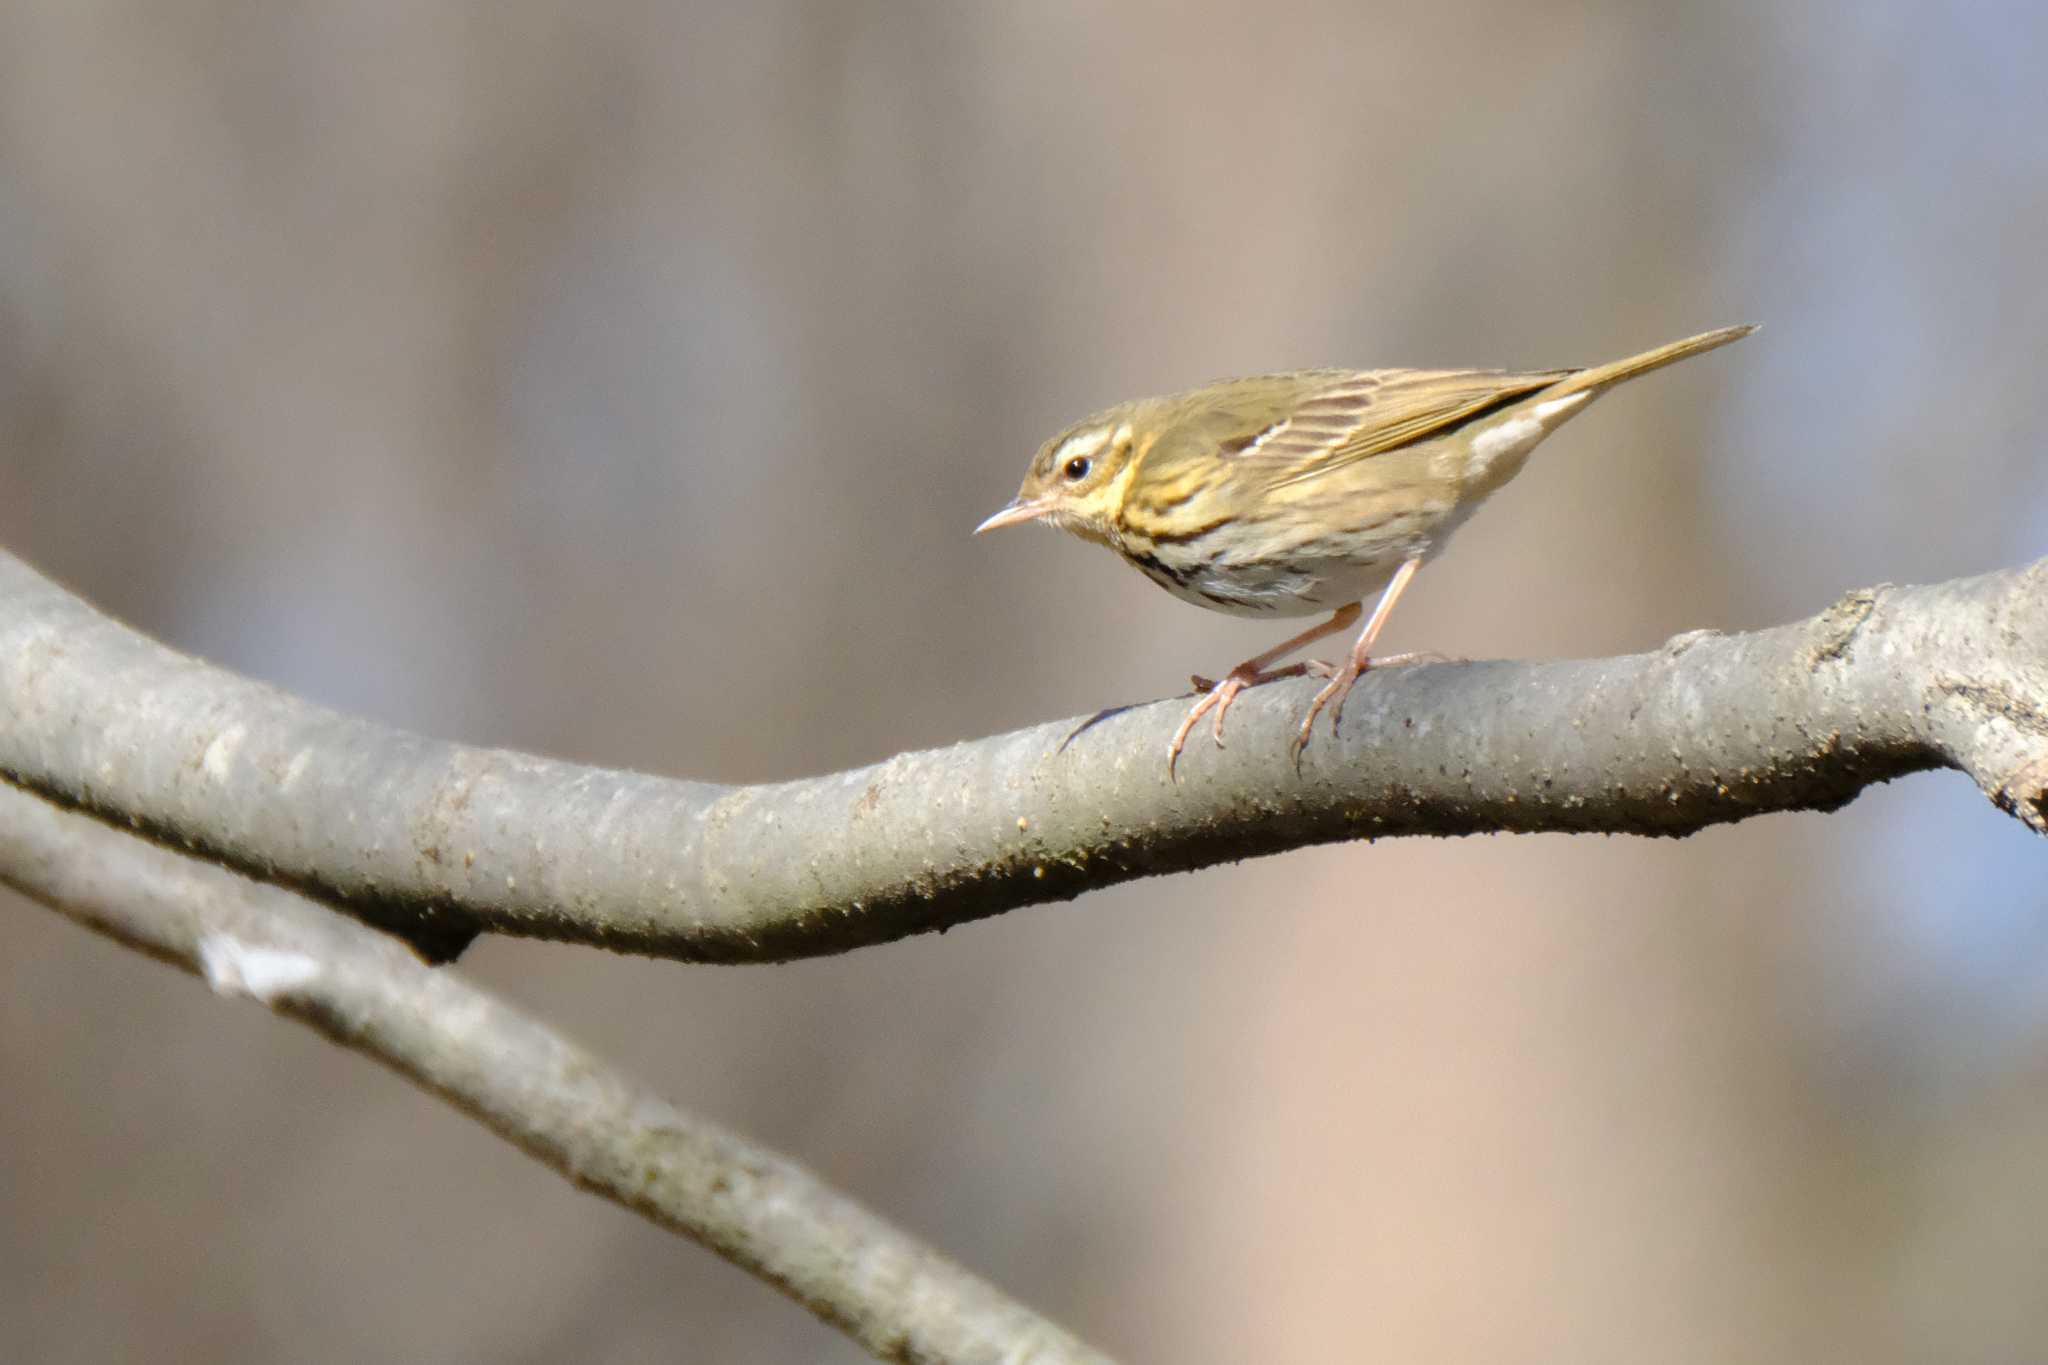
x=1081 y=443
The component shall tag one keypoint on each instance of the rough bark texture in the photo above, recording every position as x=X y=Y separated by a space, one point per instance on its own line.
x=896 y=1297
x=439 y=840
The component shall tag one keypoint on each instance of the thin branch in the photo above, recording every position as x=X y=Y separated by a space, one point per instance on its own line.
x=896 y=1297
x=419 y=834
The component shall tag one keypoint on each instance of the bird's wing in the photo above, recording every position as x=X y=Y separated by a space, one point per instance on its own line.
x=1344 y=416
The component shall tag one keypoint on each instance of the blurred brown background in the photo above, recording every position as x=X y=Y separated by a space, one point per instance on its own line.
x=621 y=380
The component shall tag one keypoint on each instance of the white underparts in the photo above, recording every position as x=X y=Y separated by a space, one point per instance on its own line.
x=1559 y=407
x=1507 y=438
x=1518 y=436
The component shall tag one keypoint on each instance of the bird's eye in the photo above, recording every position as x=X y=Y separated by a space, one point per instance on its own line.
x=1077 y=469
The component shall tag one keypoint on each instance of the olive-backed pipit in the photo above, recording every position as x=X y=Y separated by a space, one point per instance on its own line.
x=1292 y=494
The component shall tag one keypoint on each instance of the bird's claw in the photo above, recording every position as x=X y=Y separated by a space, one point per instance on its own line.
x=1338 y=689
x=1218 y=698
x=1333 y=695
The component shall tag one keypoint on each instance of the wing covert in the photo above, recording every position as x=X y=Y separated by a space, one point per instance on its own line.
x=1361 y=414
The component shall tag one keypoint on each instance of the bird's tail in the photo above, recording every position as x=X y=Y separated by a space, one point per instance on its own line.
x=1606 y=376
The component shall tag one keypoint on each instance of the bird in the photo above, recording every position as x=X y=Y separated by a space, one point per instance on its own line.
x=1304 y=492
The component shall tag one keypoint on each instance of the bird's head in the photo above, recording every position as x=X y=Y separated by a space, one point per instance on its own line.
x=1076 y=480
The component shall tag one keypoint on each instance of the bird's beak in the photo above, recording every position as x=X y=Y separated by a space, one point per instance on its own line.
x=1018 y=510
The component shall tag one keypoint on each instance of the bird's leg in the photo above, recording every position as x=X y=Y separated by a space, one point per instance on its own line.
x=1340 y=682
x=1219 y=694
x=1253 y=670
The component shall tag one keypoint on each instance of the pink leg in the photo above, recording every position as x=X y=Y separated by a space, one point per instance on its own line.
x=1251 y=673
x=1340 y=682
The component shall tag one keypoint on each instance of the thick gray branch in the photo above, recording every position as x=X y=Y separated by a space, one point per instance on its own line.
x=414 y=832
x=896 y=1297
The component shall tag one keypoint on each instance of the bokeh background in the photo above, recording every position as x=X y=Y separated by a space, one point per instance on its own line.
x=620 y=381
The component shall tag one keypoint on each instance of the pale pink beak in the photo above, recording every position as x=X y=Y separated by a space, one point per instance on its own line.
x=1018 y=510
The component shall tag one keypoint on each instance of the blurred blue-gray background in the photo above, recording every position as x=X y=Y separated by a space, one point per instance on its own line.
x=621 y=380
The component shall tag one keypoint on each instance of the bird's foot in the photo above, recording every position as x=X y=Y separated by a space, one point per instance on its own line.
x=1216 y=697
x=1333 y=694
x=1339 y=686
